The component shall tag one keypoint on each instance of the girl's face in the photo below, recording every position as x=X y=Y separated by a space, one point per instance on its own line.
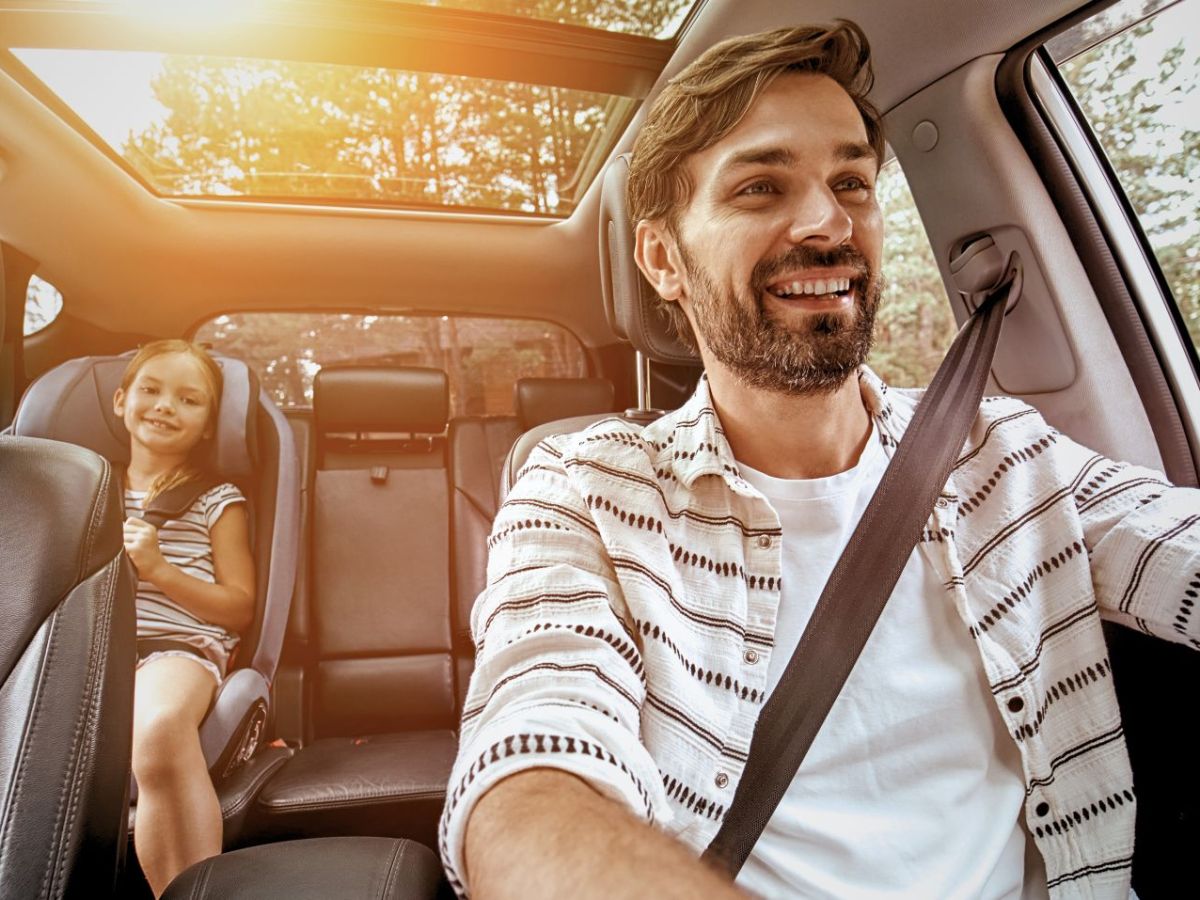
x=168 y=407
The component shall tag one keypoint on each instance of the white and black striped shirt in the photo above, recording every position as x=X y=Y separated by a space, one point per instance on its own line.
x=633 y=584
x=185 y=543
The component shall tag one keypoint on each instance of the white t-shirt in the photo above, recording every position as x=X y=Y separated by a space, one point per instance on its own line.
x=912 y=788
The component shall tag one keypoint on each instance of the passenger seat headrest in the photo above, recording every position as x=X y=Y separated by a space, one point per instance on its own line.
x=541 y=400
x=73 y=402
x=629 y=304
x=407 y=399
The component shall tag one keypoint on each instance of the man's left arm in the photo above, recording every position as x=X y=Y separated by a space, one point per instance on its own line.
x=1143 y=540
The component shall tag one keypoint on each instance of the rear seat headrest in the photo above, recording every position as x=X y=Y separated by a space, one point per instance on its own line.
x=73 y=402
x=407 y=399
x=541 y=400
x=629 y=304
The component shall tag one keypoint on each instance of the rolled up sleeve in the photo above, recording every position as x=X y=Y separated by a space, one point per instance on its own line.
x=559 y=680
x=1143 y=539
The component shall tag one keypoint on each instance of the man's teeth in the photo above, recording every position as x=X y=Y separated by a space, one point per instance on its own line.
x=812 y=288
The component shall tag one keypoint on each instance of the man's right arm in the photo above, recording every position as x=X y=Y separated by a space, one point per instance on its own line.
x=545 y=833
x=559 y=681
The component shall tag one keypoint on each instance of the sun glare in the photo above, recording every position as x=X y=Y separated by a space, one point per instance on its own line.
x=192 y=13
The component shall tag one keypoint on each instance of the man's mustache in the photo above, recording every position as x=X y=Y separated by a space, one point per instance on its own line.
x=809 y=258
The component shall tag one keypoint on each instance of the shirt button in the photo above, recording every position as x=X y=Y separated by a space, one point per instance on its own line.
x=1016 y=704
x=1042 y=808
x=764 y=541
x=750 y=656
x=722 y=780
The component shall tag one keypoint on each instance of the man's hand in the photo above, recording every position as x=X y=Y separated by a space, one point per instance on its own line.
x=141 y=543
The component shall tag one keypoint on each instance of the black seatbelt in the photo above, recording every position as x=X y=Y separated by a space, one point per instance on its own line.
x=173 y=503
x=863 y=578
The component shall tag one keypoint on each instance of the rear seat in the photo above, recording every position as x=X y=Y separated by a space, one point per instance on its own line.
x=388 y=655
x=478 y=446
x=382 y=697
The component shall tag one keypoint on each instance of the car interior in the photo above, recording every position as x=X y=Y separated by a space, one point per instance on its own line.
x=401 y=228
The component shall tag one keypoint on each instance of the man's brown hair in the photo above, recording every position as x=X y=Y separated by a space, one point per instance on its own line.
x=708 y=99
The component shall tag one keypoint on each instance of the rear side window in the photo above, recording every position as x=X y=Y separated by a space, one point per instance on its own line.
x=43 y=303
x=1134 y=70
x=915 y=324
x=482 y=356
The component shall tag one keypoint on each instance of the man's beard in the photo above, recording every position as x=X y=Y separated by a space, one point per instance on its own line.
x=814 y=355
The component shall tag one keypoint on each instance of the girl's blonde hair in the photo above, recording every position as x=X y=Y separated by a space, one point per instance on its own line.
x=191 y=469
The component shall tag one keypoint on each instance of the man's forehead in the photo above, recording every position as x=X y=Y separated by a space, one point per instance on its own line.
x=798 y=115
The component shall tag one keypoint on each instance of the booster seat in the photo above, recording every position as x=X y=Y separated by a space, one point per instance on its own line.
x=252 y=448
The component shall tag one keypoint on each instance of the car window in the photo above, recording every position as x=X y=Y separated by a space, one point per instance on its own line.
x=482 y=356
x=915 y=324
x=1134 y=71
x=43 y=303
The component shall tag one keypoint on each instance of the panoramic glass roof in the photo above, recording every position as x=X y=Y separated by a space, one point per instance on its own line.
x=649 y=18
x=201 y=126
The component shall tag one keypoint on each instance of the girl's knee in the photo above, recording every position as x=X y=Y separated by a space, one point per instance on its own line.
x=163 y=747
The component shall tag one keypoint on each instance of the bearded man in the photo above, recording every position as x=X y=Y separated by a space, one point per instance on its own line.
x=647 y=587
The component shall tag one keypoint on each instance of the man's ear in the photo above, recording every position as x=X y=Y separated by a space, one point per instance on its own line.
x=657 y=254
x=119 y=402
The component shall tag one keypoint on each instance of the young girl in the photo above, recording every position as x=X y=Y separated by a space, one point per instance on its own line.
x=195 y=592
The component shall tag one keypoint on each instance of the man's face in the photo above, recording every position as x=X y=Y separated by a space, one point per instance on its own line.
x=779 y=247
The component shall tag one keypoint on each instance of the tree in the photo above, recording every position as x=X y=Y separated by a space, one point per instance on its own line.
x=1144 y=113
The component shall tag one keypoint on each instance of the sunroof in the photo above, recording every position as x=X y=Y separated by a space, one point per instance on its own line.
x=202 y=126
x=649 y=18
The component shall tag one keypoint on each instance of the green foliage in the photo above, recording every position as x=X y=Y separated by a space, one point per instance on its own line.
x=915 y=324
x=1144 y=112
x=286 y=129
x=483 y=357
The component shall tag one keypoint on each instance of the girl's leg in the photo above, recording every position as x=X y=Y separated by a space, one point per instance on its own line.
x=178 y=816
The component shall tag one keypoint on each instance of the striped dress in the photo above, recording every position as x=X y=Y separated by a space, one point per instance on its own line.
x=185 y=543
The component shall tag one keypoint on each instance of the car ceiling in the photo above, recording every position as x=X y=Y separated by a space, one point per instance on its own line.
x=131 y=262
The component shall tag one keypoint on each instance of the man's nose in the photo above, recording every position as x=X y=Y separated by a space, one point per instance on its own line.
x=163 y=404
x=818 y=219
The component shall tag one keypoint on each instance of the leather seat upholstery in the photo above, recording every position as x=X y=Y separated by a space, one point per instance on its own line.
x=317 y=869
x=478 y=446
x=66 y=664
x=382 y=703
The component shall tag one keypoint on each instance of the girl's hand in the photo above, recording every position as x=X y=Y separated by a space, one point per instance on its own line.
x=141 y=543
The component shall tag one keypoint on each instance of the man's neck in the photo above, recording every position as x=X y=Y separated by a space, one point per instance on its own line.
x=789 y=435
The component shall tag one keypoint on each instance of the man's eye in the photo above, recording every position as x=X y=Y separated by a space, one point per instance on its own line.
x=146 y=389
x=758 y=187
x=191 y=401
x=853 y=183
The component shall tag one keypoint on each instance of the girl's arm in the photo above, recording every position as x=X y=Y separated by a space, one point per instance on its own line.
x=228 y=603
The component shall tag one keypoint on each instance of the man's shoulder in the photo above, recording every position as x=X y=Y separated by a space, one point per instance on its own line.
x=613 y=439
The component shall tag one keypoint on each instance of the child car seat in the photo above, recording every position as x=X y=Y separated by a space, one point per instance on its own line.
x=253 y=448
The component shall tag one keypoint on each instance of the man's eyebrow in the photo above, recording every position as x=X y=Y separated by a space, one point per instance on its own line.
x=758 y=156
x=846 y=151
x=850 y=151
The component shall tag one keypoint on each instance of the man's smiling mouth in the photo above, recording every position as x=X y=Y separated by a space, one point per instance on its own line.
x=817 y=287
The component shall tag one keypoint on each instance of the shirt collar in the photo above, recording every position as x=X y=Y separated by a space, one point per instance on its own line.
x=694 y=444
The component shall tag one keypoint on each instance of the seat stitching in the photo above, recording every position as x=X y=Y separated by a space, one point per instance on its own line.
x=85 y=550
x=89 y=708
x=393 y=869
x=351 y=801
x=51 y=861
x=251 y=789
x=23 y=755
x=200 y=885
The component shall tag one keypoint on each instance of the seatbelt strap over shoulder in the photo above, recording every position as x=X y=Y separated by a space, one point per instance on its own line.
x=863 y=578
x=173 y=503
